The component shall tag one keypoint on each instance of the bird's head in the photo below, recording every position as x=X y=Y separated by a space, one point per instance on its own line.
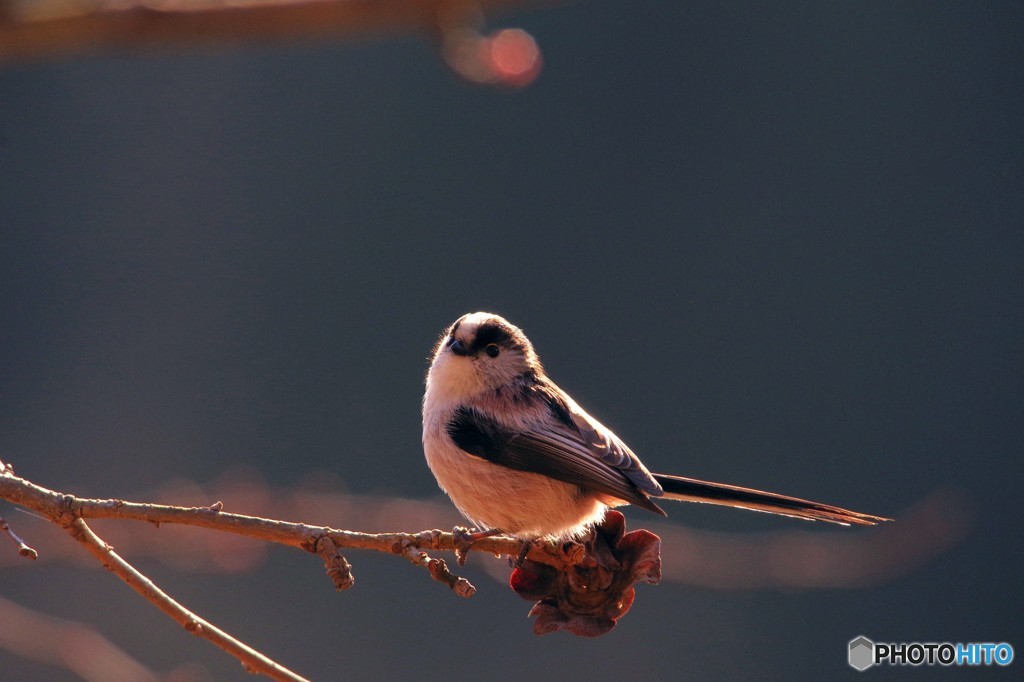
x=481 y=352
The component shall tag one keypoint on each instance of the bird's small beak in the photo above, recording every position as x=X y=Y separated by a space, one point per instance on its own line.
x=457 y=346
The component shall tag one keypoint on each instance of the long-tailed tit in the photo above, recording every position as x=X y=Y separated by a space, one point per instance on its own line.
x=516 y=454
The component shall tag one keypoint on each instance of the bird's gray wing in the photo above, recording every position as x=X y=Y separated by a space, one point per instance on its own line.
x=557 y=450
x=598 y=438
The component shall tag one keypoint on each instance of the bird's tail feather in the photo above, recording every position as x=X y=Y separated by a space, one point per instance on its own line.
x=692 y=490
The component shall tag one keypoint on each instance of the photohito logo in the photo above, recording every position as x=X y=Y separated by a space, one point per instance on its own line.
x=863 y=653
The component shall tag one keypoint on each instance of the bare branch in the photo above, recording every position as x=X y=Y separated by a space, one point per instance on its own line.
x=69 y=513
x=253 y=660
x=23 y=549
x=437 y=567
x=62 y=508
x=717 y=560
x=339 y=570
x=714 y=560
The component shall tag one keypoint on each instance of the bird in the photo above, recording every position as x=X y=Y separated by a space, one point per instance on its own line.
x=518 y=456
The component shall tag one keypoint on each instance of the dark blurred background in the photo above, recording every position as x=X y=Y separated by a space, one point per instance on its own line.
x=772 y=244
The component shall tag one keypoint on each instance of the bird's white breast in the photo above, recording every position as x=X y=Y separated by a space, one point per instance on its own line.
x=495 y=497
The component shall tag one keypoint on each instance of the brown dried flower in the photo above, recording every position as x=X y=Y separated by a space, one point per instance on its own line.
x=587 y=599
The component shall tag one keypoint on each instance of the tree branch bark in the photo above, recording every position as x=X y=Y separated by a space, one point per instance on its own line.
x=69 y=512
x=253 y=660
x=62 y=508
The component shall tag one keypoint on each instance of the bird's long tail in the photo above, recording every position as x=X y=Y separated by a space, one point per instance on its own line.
x=692 y=490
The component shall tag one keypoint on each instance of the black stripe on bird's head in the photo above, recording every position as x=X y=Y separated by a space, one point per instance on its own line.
x=488 y=336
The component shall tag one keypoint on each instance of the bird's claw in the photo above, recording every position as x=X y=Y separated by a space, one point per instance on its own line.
x=523 y=551
x=463 y=539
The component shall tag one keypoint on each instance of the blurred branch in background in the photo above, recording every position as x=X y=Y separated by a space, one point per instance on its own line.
x=41 y=29
x=805 y=560
x=66 y=644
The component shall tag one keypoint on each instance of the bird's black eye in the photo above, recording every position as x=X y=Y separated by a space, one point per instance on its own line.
x=492 y=349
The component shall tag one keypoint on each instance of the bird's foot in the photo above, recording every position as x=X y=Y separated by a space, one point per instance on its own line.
x=569 y=552
x=464 y=538
x=523 y=551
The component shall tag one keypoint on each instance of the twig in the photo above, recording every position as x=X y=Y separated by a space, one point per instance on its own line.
x=339 y=570
x=253 y=660
x=23 y=549
x=437 y=568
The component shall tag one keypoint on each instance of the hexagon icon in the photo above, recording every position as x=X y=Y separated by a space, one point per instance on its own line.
x=862 y=653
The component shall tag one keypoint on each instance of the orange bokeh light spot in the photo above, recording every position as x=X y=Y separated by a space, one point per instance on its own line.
x=514 y=57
